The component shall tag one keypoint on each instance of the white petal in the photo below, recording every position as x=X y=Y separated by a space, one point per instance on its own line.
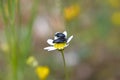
x=67 y=45
x=55 y=38
x=69 y=39
x=65 y=33
x=50 y=42
x=50 y=48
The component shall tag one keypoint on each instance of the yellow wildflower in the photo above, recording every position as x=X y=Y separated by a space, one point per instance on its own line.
x=32 y=61
x=4 y=47
x=114 y=3
x=71 y=11
x=42 y=72
x=116 y=18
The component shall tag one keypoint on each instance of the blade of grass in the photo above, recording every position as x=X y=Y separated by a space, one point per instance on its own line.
x=30 y=24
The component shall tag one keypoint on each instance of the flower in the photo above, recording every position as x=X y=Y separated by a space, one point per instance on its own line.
x=32 y=61
x=60 y=41
x=42 y=72
x=114 y=3
x=116 y=18
x=4 y=47
x=71 y=12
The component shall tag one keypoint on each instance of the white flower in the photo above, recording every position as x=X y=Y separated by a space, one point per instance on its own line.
x=59 y=43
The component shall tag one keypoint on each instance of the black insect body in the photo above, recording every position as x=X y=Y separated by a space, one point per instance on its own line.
x=60 y=38
x=60 y=35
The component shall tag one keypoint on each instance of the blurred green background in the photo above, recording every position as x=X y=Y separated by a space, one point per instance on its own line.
x=93 y=53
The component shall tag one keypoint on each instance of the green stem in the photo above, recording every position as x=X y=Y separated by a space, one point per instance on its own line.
x=65 y=68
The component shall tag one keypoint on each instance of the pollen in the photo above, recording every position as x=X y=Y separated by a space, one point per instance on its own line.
x=59 y=46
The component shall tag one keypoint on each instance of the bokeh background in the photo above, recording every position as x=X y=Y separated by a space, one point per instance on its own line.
x=93 y=53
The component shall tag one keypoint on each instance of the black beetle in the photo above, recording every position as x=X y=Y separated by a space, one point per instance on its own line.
x=60 y=35
x=60 y=40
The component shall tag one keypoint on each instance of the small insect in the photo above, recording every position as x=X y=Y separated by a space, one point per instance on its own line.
x=60 y=38
x=60 y=35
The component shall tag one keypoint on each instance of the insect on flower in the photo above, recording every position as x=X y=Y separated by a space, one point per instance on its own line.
x=60 y=41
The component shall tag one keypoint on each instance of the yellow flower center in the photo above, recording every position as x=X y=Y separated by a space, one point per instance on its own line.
x=59 y=46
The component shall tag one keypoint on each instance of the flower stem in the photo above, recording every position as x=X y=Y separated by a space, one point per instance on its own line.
x=65 y=68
